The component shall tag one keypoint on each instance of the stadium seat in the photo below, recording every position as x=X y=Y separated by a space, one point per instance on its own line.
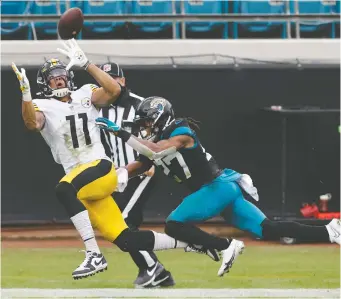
x=259 y=29
x=205 y=7
x=103 y=29
x=337 y=24
x=152 y=29
x=315 y=28
x=46 y=30
x=14 y=30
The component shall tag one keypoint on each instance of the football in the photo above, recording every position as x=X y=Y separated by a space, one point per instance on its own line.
x=70 y=23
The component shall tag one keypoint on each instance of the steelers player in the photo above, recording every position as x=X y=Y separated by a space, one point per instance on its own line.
x=66 y=120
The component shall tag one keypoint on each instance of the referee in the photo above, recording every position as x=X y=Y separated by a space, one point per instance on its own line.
x=132 y=200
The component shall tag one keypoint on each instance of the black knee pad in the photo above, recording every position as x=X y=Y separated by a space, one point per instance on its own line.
x=123 y=240
x=64 y=189
x=67 y=195
x=129 y=240
x=172 y=228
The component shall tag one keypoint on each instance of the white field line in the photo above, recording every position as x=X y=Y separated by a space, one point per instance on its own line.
x=170 y=293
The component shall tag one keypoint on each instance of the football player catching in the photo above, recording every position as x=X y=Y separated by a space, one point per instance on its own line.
x=65 y=117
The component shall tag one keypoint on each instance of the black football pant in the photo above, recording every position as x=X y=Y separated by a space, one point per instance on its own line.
x=131 y=203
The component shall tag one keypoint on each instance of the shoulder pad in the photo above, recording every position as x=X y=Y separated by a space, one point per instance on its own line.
x=89 y=88
x=178 y=127
x=85 y=91
x=41 y=104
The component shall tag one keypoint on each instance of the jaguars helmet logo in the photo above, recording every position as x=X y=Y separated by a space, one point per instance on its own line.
x=158 y=103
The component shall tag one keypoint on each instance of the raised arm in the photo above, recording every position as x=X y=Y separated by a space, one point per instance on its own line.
x=34 y=120
x=110 y=90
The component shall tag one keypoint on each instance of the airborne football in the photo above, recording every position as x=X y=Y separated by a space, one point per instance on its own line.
x=70 y=23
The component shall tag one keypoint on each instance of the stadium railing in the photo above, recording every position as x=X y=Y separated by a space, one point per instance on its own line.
x=180 y=15
x=185 y=18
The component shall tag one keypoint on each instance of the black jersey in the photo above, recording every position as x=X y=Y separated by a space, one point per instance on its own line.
x=192 y=166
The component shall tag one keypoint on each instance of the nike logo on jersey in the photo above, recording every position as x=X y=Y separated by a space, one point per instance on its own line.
x=99 y=262
x=150 y=273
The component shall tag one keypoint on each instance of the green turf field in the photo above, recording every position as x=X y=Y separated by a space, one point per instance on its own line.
x=258 y=267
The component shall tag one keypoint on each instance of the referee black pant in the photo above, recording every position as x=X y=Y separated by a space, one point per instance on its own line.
x=131 y=203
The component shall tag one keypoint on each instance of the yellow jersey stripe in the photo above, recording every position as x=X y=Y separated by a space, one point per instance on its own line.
x=36 y=108
x=93 y=87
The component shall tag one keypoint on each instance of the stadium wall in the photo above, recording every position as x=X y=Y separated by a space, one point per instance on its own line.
x=181 y=52
x=234 y=129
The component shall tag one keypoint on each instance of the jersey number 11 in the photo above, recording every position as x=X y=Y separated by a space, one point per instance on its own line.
x=73 y=130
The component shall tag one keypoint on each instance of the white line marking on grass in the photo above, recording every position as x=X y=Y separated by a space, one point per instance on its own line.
x=170 y=293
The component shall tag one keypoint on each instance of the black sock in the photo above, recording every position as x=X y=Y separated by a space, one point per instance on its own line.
x=137 y=257
x=273 y=230
x=140 y=260
x=193 y=235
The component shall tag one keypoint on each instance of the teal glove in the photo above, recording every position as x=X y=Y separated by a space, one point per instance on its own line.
x=107 y=125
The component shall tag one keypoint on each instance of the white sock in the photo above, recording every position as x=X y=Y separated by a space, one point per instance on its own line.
x=150 y=262
x=82 y=223
x=164 y=242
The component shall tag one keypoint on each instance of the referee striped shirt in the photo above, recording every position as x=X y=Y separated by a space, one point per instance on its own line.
x=124 y=110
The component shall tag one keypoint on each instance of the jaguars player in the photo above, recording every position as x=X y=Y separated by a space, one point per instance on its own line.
x=65 y=117
x=214 y=191
x=156 y=119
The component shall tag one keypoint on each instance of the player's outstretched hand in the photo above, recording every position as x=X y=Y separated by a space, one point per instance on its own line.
x=75 y=54
x=24 y=83
x=107 y=125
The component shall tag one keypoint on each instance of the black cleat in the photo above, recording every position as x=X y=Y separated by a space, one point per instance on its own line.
x=165 y=279
x=147 y=276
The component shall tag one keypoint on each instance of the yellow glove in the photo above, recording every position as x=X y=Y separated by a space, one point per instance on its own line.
x=24 y=83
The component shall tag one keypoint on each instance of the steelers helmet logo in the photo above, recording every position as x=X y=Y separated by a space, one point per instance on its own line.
x=79 y=55
x=86 y=102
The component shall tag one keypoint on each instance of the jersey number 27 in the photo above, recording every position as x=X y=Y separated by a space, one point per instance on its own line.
x=73 y=130
x=166 y=161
